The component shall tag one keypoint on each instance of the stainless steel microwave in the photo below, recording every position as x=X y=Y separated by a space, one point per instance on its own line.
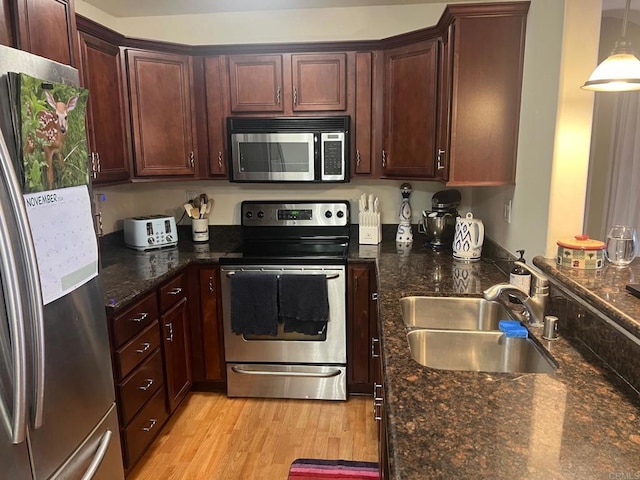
x=289 y=149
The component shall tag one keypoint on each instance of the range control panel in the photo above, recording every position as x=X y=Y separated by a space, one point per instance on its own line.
x=298 y=213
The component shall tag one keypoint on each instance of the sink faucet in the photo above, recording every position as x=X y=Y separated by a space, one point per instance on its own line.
x=534 y=302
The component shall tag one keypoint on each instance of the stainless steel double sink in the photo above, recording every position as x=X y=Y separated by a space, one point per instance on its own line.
x=461 y=333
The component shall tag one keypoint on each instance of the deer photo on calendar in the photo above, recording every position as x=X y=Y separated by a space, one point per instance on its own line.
x=53 y=136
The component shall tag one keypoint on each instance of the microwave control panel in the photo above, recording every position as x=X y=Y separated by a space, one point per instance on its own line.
x=333 y=156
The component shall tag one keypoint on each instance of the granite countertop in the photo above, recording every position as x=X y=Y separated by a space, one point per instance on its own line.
x=127 y=274
x=582 y=421
x=603 y=289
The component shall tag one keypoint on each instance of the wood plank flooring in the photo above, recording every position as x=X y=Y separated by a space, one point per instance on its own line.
x=214 y=437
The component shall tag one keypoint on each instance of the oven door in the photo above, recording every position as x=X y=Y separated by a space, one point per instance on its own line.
x=329 y=347
x=276 y=157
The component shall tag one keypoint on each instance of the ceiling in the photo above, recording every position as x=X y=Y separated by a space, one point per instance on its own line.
x=143 y=8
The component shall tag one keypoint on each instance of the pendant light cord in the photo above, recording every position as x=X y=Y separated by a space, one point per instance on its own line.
x=625 y=19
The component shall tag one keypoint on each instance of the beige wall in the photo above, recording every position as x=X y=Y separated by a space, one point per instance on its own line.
x=143 y=199
x=271 y=26
x=550 y=104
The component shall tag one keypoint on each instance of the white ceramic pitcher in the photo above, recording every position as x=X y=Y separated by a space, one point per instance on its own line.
x=467 y=242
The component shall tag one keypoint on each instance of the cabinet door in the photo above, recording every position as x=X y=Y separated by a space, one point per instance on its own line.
x=175 y=325
x=445 y=70
x=319 y=82
x=410 y=111
x=214 y=91
x=161 y=111
x=48 y=28
x=381 y=420
x=486 y=84
x=106 y=118
x=255 y=83
x=361 y=329
x=7 y=36
x=363 y=120
x=212 y=344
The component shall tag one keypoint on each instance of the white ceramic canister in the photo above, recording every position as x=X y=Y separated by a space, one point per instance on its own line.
x=468 y=239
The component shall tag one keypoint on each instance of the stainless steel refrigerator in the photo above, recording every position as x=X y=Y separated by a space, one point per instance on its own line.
x=57 y=400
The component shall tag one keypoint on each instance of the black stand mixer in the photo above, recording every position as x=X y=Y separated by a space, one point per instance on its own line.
x=439 y=224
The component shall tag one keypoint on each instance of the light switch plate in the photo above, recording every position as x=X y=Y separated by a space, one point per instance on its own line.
x=506 y=214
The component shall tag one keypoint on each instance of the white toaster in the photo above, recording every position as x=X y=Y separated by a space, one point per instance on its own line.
x=149 y=232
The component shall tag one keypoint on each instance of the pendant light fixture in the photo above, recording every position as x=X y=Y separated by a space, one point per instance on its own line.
x=620 y=71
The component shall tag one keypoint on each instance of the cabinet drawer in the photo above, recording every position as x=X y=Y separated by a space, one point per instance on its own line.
x=140 y=386
x=137 y=350
x=127 y=324
x=144 y=427
x=173 y=291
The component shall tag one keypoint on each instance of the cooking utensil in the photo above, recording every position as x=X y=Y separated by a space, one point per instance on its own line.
x=187 y=208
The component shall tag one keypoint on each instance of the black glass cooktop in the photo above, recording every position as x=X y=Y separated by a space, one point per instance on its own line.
x=289 y=252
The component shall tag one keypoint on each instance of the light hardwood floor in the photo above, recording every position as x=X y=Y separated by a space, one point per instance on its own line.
x=215 y=437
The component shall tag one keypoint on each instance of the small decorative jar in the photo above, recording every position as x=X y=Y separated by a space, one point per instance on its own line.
x=581 y=252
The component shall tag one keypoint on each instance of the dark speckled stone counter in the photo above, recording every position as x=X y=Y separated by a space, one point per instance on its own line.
x=582 y=421
x=127 y=273
x=603 y=289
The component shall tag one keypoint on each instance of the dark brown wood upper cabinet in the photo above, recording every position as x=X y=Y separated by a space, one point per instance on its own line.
x=319 y=82
x=7 y=36
x=100 y=67
x=255 y=83
x=480 y=98
x=47 y=28
x=410 y=110
x=288 y=83
x=363 y=117
x=160 y=86
x=215 y=94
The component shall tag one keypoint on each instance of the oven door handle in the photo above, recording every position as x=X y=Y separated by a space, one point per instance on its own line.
x=329 y=277
x=328 y=374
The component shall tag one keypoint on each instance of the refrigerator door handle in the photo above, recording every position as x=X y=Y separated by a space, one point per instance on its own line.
x=33 y=292
x=105 y=441
x=17 y=422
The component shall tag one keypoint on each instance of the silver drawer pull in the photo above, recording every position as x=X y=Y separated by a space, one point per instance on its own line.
x=145 y=346
x=142 y=316
x=331 y=373
x=374 y=341
x=152 y=423
x=175 y=291
x=147 y=385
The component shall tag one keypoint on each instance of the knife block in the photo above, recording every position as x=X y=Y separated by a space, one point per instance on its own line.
x=370 y=228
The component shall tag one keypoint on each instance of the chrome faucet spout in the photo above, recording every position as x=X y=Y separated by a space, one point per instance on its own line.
x=535 y=304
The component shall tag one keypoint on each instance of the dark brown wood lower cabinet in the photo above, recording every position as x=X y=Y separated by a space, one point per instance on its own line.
x=206 y=330
x=362 y=327
x=175 y=329
x=143 y=428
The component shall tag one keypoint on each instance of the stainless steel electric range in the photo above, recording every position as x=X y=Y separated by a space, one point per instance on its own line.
x=284 y=301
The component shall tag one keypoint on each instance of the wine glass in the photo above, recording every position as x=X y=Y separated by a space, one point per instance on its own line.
x=622 y=245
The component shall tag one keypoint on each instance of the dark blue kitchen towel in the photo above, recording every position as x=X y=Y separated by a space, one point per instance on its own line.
x=304 y=303
x=254 y=303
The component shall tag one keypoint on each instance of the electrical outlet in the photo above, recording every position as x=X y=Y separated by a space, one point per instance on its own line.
x=506 y=213
x=191 y=195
